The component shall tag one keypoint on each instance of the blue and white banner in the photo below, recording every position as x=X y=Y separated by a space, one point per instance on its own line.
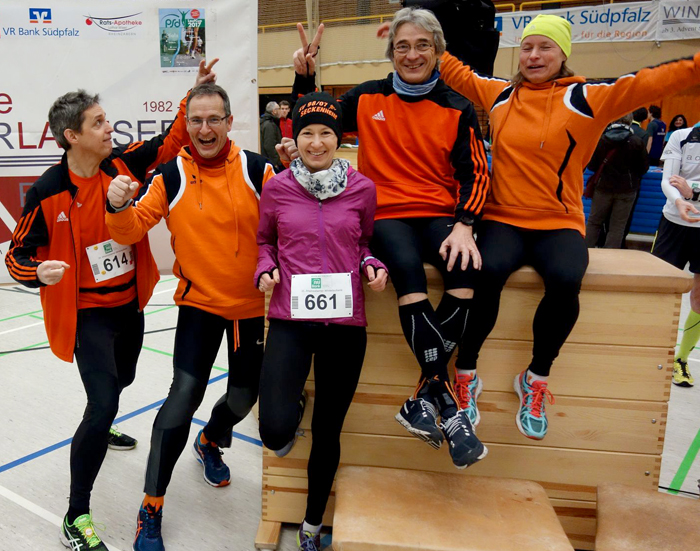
x=628 y=22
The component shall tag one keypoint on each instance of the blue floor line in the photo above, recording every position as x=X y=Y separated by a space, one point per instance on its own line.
x=235 y=434
x=63 y=443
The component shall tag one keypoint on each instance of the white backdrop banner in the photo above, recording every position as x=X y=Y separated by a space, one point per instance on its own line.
x=140 y=56
x=679 y=20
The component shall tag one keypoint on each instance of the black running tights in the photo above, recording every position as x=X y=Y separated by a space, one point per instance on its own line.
x=108 y=343
x=338 y=352
x=559 y=256
x=197 y=341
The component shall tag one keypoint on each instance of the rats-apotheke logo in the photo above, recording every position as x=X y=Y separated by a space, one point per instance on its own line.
x=121 y=24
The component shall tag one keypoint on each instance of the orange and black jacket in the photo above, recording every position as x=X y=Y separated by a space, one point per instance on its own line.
x=544 y=134
x=43 y=233
x=425 y=154
x=213 y=216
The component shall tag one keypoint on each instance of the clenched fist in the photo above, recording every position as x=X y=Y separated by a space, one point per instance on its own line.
x=121 y=190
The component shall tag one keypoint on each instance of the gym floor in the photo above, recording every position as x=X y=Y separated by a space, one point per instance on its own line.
x=41 y=404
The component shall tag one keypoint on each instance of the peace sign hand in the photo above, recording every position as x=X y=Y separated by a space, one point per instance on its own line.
x=304 y=57
x=205 y=73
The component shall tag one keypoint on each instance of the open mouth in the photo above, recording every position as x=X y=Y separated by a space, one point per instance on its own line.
x=208 y=142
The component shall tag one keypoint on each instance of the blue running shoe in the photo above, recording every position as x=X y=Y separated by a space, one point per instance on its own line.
x=465 y=448
x=531 y=417
x=468 y=388
x=308 y=541
x=216 y=472
x=419 y=417
x=148 y=536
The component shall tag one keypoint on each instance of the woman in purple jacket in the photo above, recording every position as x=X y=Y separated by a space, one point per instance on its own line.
x=316 y=221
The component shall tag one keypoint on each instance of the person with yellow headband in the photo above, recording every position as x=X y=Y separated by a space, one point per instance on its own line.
x=545 y=125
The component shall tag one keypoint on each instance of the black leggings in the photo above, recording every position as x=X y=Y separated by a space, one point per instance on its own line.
x=405 y=244
x=197 y=341
x=559 y=256
x=107 y=348
x=338 y=352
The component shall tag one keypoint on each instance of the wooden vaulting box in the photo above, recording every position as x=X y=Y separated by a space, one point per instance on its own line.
x=611 y=383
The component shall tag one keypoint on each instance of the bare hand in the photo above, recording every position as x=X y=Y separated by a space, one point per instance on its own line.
x=685 y=208
x=460 y=241
x=383 y=30
x=268 y=283
x=304 y=57
x=51 y=272
x=287 y=150
x=121 y=190
x=681 y=185
x=205 y=73
x=377 y=279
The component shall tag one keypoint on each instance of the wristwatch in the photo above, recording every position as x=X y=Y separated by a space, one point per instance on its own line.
x=466 y=219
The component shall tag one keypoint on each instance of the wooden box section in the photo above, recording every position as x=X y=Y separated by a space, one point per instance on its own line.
x=611 y=383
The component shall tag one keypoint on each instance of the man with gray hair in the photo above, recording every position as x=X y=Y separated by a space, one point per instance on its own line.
x=421 y=144
x=96 y=312
x=270 y=132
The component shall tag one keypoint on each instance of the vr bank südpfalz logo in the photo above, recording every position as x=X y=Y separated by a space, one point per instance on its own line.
x=40 y=15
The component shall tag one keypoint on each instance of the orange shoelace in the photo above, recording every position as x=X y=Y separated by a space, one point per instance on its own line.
x=539 y=392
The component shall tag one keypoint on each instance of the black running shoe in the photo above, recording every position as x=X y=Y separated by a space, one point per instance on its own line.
x=419 y=417
x=120 y=441
x=302 y=406
x=81 y=535
x=465 y=448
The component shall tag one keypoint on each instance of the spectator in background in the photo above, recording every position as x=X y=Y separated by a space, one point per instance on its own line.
x=270 y=133
x=677 y=240
x=657 y=132
x=619 y=162
x=677 y=123
x=285 y=119
x=639 y=116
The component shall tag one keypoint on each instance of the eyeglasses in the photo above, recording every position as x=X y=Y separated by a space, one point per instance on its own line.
x=421 y=48
x=212 y=122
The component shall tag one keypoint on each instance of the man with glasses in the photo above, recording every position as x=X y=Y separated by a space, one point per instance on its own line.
x=209 y=198
x=421 y=144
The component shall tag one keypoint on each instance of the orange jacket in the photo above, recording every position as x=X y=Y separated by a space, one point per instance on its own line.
x=545 y=134
x=212 y=214
x=43 y=234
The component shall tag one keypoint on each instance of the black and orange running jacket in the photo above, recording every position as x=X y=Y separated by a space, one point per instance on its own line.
x=49 y=229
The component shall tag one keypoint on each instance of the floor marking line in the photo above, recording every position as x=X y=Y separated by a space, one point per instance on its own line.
x=20 y=328
x=24 y=348
x=63 y=443
x=235 y=434
x=37 y=510
x=170 y=354
x=20 y=315
x=164 y=291
x=685 y=465
x=161 y=310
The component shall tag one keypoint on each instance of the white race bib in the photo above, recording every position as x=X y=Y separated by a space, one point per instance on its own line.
x=109 y=259
x=321 y=296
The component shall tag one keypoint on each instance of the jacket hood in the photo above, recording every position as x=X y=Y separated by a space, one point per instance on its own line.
x=564 y=81
x=617 y=133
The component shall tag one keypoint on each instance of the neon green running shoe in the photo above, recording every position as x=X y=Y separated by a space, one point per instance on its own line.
x=81 y=535
x=681 y=373
x=119 y=441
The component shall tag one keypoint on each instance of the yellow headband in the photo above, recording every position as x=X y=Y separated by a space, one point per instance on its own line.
x=554 y=27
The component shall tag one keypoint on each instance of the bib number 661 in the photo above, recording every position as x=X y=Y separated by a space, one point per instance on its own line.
x=319 y=302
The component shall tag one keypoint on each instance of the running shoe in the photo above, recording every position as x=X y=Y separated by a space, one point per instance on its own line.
x=216 y=472
x=531 y=417
x=81 y=535
x=419 y=417
x=148 y=537
x=302 y=406
x=468 y=388
x=465 y=448
x=681 y=373
x=308 y=541
x=120 y=441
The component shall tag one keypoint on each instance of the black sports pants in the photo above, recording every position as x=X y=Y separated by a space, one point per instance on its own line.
x=197 y=341
x=338 y=352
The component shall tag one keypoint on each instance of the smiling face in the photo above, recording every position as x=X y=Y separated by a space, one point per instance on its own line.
x=317 y=144
x=678 y=122
x=208 y=140
x=540 y=58
x=95 y=136
x=414 y=66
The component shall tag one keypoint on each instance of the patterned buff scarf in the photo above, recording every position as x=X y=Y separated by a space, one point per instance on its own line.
x=324 y=183
x=404 y=88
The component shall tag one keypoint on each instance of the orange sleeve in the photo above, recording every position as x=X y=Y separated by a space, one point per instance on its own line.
x=131 y=224
x=478 y=89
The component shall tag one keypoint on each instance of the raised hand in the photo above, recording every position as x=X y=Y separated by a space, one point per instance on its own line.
x=51 y=272
x=121 y=190
x=205 y=73
x=304 y=57
x=287 y=150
